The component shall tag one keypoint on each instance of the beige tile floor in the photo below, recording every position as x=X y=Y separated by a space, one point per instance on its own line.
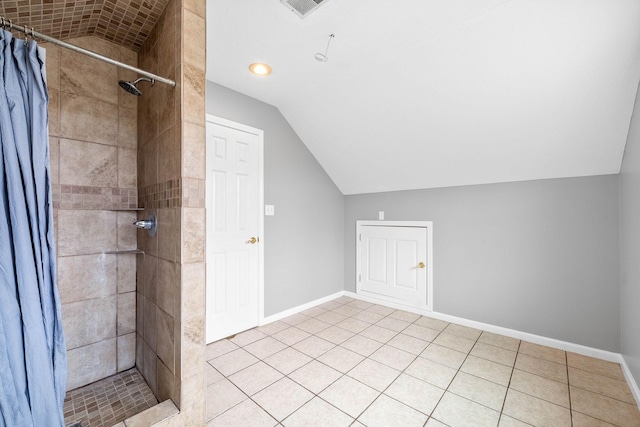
x=351 y=363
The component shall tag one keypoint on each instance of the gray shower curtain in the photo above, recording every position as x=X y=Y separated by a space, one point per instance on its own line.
x=33 y=367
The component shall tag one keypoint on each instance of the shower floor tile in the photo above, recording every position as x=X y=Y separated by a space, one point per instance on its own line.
x=108 y=401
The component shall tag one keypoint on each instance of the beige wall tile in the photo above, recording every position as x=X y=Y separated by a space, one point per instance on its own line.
x=53 y=65
x=168 y=156
x=129 y=57
x=147 y=118
x=139 y=349
x=166 y=381
x=165 y=338
x=88 y=164
x=54 y=159
x=128 y=127
x=98 y=45
x=91 y=363
x=126 y=351
x=150 y=325
x=140 y=301
x=168 y=236
x=193 y=235
x=193 y=318
x=167 y=110
x=193 y=105
x=86 y=276
x=127 y=273
x=82 y=75
x=127 y=232
x=88 y=119
x=192 y=399
x=166 y=44
x=168 y=282
x=150 y=277
x=179 y=356
x=127 y=168
x=196 y=6
x=126 y=313
x=160 y=159
x=148 y=163
x=195 y=32
x=149 y=367
x=86 y=232
x=89 y=321
x=193 y=151
x=54 y=112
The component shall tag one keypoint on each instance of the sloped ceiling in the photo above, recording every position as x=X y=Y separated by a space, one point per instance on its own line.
x=437 y=93
x=124 y=22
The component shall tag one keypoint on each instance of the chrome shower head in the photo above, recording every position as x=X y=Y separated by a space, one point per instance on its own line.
x=132 y=87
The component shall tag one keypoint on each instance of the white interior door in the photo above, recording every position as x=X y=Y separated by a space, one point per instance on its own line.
x=234 y=227
x=394 y=264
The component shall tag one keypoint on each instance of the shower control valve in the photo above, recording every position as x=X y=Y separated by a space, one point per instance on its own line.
x=145 y=224
x=150 y=224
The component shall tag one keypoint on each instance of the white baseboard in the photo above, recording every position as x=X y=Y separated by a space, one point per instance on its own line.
x=298 y=309
x=633 y=385
x=536 y=339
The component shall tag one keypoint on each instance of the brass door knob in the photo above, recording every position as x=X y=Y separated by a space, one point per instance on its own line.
x=421 y=265
x=252 y=240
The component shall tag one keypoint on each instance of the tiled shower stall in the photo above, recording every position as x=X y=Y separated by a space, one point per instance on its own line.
x=114 y=158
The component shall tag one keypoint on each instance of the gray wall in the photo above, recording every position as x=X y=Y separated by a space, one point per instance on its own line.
x=537 y=256
x=304 y=247
x=630 y=247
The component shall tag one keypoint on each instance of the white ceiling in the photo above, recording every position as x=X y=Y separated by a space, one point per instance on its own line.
x=438 y=93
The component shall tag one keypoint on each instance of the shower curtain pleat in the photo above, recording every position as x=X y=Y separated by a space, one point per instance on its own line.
x=33 y=367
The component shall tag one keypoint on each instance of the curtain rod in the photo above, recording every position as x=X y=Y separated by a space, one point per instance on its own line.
x=6 y=23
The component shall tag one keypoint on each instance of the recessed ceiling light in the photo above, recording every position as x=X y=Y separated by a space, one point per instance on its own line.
x=260 y=69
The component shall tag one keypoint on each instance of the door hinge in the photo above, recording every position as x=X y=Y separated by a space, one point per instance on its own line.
x=359 y=277
x=360 y=237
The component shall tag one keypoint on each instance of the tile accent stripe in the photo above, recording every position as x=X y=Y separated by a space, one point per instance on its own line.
x=174 y=193
x=88 y=197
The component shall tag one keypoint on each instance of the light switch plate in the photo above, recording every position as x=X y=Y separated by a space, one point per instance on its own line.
x=269 y=210
x=381 y=215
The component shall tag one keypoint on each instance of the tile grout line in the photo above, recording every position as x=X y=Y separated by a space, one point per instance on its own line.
x=566 y=360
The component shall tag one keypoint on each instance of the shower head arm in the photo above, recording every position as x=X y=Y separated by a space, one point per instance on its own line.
x=144 y=79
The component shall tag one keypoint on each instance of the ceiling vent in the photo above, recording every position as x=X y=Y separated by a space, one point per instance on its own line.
x=303 y=8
